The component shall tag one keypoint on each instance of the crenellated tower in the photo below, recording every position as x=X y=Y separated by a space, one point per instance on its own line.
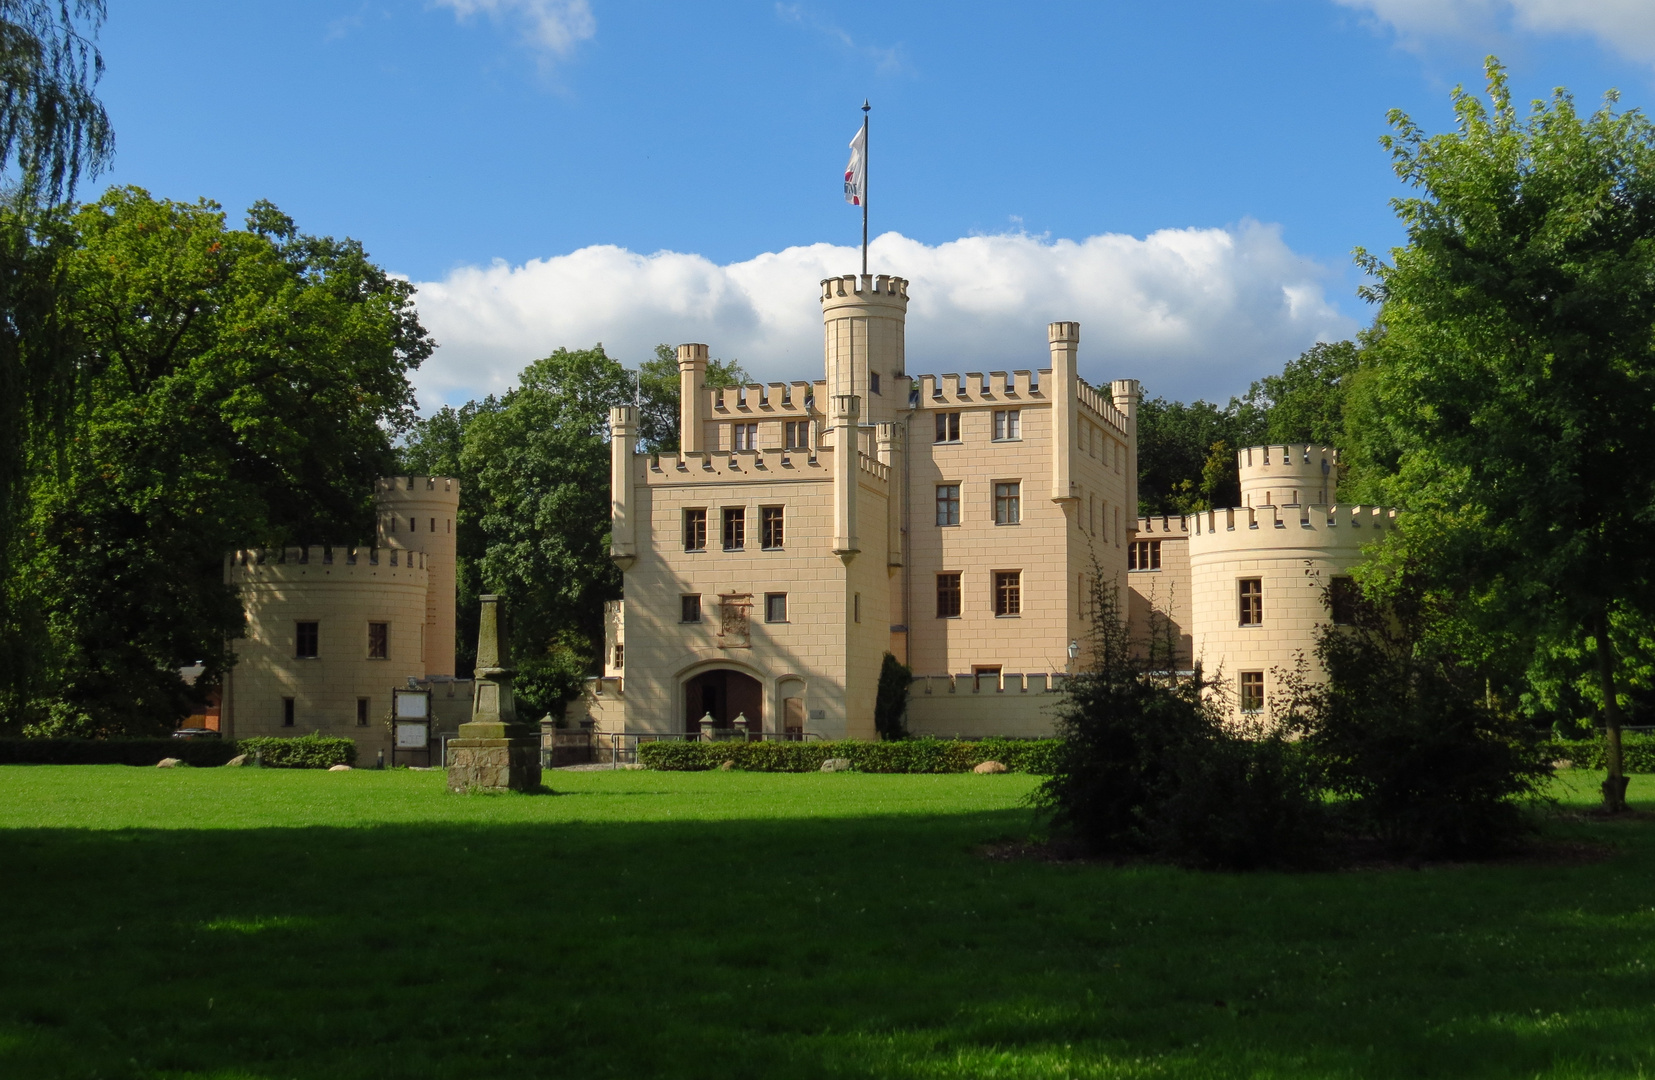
x=864 y=351
x=416 y=513
x=1296 y=474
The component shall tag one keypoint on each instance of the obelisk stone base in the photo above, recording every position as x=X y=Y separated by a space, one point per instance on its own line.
x=494 y=757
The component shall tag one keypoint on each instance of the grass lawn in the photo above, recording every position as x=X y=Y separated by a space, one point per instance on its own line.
x=274 y=924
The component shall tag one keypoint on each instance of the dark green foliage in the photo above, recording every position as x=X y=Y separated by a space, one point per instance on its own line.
x=1186 y=453
x=1306 y=402
x=923 y=755
x=1404 y=734
x=233 y=388
x=301 y=752
x=1147 y=765
x=890 y=707
x=201 y=752
x=52 y=126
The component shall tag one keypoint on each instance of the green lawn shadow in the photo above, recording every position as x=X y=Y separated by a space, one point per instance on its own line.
x=878 y=945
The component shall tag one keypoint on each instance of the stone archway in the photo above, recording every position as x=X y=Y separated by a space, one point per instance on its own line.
x=723 y=694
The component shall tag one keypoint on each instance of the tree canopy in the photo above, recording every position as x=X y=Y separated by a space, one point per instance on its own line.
x=1513 y=370
x=232 y=387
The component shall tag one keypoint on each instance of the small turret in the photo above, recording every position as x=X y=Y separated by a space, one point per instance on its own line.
x=1295 y=474
x=692 y=404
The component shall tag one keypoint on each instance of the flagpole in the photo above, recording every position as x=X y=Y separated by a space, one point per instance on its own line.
x=864 y=187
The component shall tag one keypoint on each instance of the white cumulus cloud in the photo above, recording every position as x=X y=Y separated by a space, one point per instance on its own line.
x=554 y=27
x=1623 y=26
x=1189 y=311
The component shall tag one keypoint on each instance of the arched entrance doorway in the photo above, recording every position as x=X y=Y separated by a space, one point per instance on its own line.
x=723 y=694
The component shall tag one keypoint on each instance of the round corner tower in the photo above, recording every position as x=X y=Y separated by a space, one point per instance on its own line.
x=417 y=513
x=864 y=352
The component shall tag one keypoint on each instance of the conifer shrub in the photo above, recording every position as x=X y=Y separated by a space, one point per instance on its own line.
x=890 y=707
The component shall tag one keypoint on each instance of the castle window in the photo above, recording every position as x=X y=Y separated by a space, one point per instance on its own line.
x=1252 y=602
x=775 y=607
x=689 y=608
x=695 y=530
x=873 y=382
x=1008 y=593
x=287 y=712
x=948 y=504
x=361 y=712
x=1008 y=424
x=379 y=641
x=1008 y=503
x=433 y=524
x=1252 y=691
x=798 y=434
x=746 y=436
x=735 y=528
x=948 y=427
x=770 y=527
x=1342 y=596
x=1143 y=555
x=856 y=608
x=306 y=640
x=948 y=596
x=413 y=524
x=620 y=656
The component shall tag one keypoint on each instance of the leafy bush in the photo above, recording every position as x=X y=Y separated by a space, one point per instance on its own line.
x=203 y=752
x=1637 y=751
x=314 y=751
x=904 y=756
x=1404 y=733
x=1148 y=766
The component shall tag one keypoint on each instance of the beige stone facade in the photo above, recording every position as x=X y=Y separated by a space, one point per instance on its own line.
x=1245 y=587
x=331 y=631
x=807 y=528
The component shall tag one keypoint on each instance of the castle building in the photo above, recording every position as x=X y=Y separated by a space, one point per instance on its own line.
x=805 y=529
x=331 y=630
x=957 y=521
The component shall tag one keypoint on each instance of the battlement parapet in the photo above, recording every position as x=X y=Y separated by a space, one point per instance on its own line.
x=443 y=488
x=1337 y=525
x=1101 y=408
x=723 y=466
x=855 y=286
x=1168 y=524
x=873 y=467
x=782 y=398
x=952 y=390
x=324 y=561
x=1041 y=682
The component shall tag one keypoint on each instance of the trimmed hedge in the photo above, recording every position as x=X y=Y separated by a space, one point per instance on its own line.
x=899 y=756
x=1637 y=751
x=203 y=752
x=303 y=752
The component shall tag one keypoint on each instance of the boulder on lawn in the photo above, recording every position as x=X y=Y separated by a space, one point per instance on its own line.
x=727 y=766
x=239 y=759
x=989 y=767
x=836 y=764
x=169 y=763
x=339 y=768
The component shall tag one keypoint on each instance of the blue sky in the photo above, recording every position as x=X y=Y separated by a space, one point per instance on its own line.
x=1187 y=179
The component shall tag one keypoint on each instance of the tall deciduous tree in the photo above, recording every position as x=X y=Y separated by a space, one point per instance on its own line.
x=1514 y=369
x=237 y=387
x=53 y=130
x=658 y=394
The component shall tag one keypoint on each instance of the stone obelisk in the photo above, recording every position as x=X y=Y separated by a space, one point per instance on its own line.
x=494 y=752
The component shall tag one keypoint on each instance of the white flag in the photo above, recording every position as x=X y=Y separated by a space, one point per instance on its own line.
x=856 y=173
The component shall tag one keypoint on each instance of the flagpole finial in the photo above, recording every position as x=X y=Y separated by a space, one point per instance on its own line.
x=865 y=105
